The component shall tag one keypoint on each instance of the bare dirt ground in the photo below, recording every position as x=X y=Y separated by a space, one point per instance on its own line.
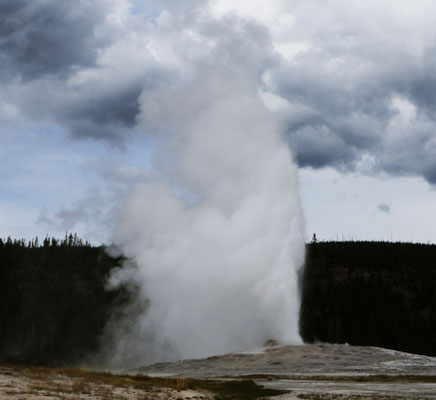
x=316 y=372
x=36 y=383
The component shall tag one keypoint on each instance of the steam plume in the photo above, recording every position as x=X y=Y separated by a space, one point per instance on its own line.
x=216 y=236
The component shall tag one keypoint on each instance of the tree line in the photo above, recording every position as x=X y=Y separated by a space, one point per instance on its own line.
x=55 y=304
x=370 y=293
x=54 y=300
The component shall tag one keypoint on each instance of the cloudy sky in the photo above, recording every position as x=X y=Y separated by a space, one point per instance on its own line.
x=351 y=84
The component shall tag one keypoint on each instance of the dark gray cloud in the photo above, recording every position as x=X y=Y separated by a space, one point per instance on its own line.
x=42 y=38
x=50 y=51
x=429 y=172
x=318 y=146
x=77 y=64
x=384 y=208
x=109 y=117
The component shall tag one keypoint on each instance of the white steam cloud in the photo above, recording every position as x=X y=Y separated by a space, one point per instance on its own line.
x=216 y=236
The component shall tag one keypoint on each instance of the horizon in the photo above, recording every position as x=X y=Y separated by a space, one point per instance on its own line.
x=307 y=240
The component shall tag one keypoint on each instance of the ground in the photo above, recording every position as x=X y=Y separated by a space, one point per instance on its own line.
x=36 y=383
x=317 y=372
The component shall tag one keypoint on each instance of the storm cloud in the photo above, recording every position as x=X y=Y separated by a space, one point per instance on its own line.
x=49 y=38
x=352 y=83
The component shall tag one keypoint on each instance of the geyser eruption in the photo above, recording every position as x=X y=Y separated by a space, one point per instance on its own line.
x=216 y=235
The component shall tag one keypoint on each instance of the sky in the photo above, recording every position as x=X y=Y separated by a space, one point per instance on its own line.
x=350 y=84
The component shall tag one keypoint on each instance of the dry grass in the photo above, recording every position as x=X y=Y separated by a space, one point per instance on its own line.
x=74 y=382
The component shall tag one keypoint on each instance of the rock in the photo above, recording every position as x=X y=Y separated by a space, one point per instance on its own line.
x=271 y=343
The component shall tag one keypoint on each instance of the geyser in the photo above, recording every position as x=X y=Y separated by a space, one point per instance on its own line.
x=216 y=234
